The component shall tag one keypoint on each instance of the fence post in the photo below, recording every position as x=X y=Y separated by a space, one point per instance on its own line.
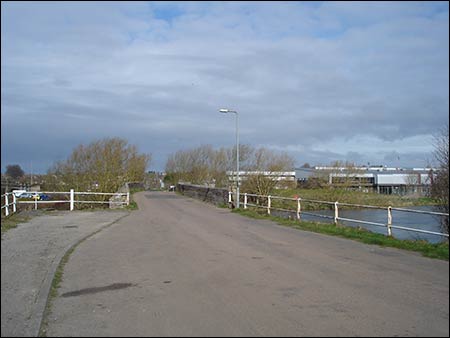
x=72 y=198
x=268 y=204
x=35 y=202
x=6 y=203
x=128 y=198
x=299 y=208
x=14 y=203
x=336 y=213
x=389 y=223
x=229 y=199
x=245 y=200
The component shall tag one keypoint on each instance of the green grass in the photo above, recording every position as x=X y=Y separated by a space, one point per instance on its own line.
x=56 y=284
x=223 y=205
x=439 y=250
x=57 y=279
x=133 y=205
x=12 y=221
x=134 y=190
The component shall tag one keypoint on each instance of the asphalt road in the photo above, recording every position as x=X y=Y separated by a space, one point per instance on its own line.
x=178 y=267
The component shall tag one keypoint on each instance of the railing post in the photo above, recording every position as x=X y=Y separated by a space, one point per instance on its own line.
x=229 y=198
x=268 y=204
x=299 y=208
x=72 y=199
x=6 y=203
x=245 y=200
x=14 y=203
x=336 y=212
x=389 y=223
x=35 y=201
x=128 y=198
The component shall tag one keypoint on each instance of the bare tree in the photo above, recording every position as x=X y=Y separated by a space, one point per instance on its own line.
x=265 y=171
x=440 y=184
x=204 y=165
x=193 y=165
x=103 y=165
x=412 y=182
x=14 y=171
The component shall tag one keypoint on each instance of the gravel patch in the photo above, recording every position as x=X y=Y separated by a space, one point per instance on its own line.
x=30 y=255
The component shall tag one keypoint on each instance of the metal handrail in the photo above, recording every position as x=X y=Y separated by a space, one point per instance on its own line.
x=71 y=200
x=336 y=217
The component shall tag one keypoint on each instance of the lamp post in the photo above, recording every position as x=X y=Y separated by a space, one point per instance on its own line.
x=228 y=111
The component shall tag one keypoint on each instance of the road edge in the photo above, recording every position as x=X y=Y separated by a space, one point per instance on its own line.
x=45 y=293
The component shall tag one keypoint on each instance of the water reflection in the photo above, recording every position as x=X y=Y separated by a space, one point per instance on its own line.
x=399 y=218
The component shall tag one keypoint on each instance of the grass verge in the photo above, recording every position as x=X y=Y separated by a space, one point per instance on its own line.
x=12 y=221
x=58 y=277
x=133 y=205
x=431 y=250
x=56 y=284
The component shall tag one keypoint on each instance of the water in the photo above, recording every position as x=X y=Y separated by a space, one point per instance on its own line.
x=399 y=218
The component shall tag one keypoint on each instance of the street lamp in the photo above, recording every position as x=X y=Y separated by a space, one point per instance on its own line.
x=228 y=111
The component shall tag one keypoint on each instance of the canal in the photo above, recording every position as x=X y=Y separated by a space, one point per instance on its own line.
x=399 y=218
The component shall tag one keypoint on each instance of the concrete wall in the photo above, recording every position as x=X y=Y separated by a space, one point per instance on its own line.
x=214 y=196
x=135 y=185
x=119 y=198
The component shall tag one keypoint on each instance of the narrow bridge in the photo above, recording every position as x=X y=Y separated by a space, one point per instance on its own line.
x=178 y=267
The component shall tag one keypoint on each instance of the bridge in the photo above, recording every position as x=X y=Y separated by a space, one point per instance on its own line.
x=179 y=267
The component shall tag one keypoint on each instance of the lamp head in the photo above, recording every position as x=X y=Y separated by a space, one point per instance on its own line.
x=225 y=111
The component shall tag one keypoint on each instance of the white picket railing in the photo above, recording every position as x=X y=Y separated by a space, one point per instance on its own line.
x=335 y=205
x=10 y=200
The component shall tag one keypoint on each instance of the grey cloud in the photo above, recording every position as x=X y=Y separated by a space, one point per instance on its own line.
x=128 y=74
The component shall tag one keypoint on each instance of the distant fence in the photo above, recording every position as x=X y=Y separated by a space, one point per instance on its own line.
x=10 y=201
x=294 y=206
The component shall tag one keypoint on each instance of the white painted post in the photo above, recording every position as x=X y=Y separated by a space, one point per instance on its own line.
x=268 y=204
x=14 y=203
x=229 y=198
x=336 y=213
x=245 y=201
x=7 y=206
x=72 y=199
x=35 y=202
x=128 y=198
x=299 y=208
x=389 y=223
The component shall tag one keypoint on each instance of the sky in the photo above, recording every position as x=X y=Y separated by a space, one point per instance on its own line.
x=366 y=82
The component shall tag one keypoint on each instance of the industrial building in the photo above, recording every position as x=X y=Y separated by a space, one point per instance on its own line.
x=384 y=180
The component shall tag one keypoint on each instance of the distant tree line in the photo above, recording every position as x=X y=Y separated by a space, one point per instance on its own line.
x=206 y=165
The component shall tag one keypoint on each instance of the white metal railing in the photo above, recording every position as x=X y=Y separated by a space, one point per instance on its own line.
x=9 y=199
x=335 y=205
x=7 y=204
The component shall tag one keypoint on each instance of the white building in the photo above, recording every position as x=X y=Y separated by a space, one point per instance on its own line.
x=384 y=180
x=280 y=176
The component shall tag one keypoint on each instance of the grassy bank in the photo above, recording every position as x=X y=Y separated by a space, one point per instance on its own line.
x=352 y=197
x=439 y=251
x=12 y=221
x=133 y=205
